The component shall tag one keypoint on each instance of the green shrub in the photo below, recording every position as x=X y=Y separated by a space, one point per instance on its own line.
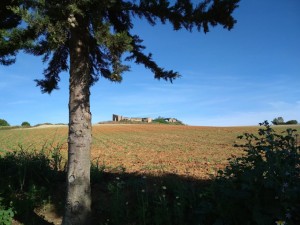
x=292 y=122
x=6 y=215
x=27 y=178
x=25 y=124
x=163 y=120
x=262 y=186
x=4 y=123
x=160 y=120
x=280 y=121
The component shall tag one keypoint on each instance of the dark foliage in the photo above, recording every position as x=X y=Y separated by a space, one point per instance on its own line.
x=292 y=122
x=27 y=178
x=261 y=187
x=4 y=122
x=8 y=20
x=280 y=121
x=47 y=32
x=25 y=124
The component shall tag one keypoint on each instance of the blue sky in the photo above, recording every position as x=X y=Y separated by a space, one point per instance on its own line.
x=241 y=77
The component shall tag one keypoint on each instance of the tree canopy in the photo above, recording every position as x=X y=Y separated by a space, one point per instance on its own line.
x=280 y=121
x=4 y=123
x=25 y=124
x=109 y=25
x=8 y=21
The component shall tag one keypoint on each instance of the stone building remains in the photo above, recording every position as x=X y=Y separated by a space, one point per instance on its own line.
x=118 y=118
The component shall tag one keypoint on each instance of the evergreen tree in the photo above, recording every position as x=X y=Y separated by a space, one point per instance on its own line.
x=88 y=38
x=278 y=121
x=8 y=20
x=25 y=124
x=4 y=123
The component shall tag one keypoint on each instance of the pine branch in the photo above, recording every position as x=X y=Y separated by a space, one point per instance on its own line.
x=119 y=18
x=7 y=59
x=147 y=61
x=57 y=64
x=183 y=14
x=213 y=13
x=11 y=42
x=110 y=23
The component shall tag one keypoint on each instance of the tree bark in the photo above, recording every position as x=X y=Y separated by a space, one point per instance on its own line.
x=78 y=200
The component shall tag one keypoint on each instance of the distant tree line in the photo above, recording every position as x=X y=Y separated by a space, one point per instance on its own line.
x=4 y=123
x=280 y=121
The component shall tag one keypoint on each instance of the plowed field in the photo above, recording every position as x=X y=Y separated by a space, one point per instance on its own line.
x=155 y=149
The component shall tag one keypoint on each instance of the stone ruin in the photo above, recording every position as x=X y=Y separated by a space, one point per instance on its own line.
x=118 y=118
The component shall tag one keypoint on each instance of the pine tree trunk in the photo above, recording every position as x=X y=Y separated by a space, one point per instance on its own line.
x=78 y=200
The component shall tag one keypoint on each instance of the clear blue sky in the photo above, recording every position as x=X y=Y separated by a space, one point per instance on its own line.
x=241 y=77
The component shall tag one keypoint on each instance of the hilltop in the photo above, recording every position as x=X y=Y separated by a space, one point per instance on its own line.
x=117 y=119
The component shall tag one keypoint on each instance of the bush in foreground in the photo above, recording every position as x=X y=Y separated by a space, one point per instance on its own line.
x=6 y=215
x=262 y=186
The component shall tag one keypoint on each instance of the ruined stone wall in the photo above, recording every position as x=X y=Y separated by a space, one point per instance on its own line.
x=118 y=118
x=148 y=120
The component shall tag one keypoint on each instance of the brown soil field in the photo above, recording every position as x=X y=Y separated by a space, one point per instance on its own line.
x=147 y=149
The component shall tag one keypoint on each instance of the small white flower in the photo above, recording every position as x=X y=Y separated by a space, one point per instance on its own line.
x=143 y=190
x=72 y=20
x=164 y=187
x=117 y=178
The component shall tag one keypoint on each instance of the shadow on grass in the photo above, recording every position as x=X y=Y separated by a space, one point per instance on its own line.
x=260 y=187
x=31 y=186
x=27 y=183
